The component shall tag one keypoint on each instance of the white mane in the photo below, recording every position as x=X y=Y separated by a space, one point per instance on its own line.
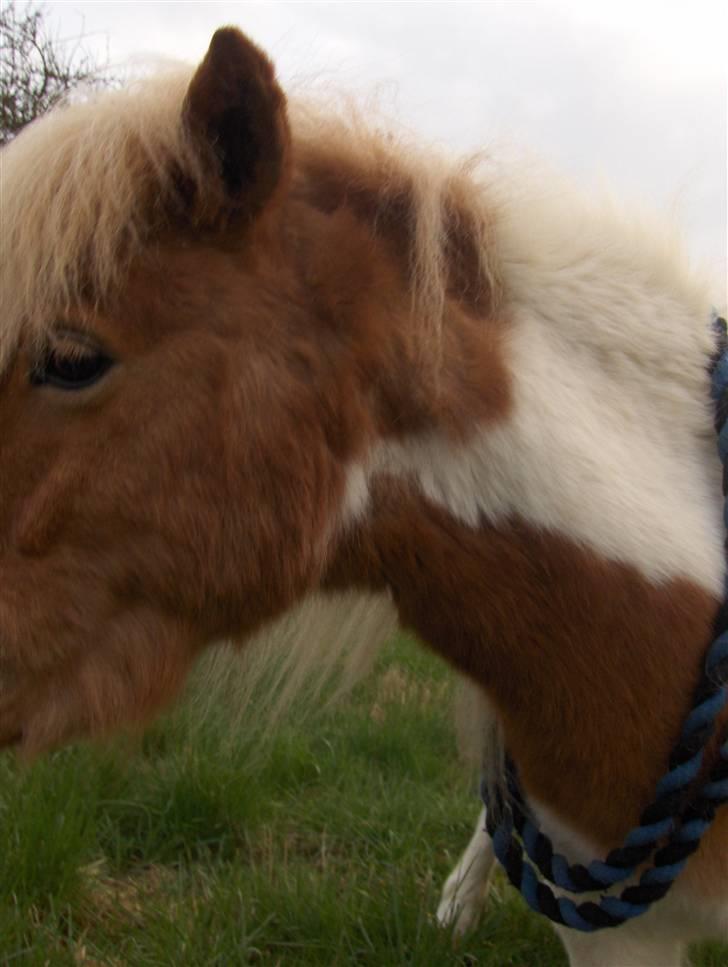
x=610 y=442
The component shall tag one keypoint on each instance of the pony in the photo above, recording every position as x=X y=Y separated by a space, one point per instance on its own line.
x=255 y=351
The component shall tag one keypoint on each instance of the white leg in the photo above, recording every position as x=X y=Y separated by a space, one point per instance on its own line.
x=622 y=947
x=463 y=895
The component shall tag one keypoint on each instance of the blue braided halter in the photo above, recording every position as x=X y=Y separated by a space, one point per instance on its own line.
x=671 y=820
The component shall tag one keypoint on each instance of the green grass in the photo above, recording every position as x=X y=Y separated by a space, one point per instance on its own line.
x=322 y=842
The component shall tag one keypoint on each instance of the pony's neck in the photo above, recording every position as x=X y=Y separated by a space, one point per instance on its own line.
x=549 y=520
x=590 y=666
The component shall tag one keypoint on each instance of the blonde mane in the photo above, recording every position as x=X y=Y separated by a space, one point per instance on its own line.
x=81 y=189
x=85 y=187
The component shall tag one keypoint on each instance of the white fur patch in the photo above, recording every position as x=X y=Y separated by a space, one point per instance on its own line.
x=610 y=440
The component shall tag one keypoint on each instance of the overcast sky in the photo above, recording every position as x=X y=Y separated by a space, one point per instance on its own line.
x=631 y=94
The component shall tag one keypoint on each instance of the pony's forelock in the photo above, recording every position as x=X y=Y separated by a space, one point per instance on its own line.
x=85 y=187
x=81 y=189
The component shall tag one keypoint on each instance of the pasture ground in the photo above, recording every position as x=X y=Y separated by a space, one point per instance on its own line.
x=322 y=842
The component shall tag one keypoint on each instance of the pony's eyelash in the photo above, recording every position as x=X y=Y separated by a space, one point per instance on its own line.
x=68 y=351
x=72 y=344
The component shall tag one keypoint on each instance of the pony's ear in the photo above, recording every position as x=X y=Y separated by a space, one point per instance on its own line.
x=235 y=113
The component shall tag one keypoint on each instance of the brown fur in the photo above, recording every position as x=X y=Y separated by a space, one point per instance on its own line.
x=570 y=649
x=562 y=641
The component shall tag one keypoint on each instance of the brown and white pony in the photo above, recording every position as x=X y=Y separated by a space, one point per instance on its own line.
x=250 y=351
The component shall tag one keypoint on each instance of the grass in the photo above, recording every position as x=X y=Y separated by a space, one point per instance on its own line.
x=323 y=842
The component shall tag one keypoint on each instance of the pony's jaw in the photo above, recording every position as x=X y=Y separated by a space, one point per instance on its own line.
x=133 y=670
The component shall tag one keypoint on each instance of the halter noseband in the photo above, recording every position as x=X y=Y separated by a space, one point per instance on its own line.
x=677 y=817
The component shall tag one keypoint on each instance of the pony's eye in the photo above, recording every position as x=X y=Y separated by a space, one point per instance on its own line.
x=70 y=370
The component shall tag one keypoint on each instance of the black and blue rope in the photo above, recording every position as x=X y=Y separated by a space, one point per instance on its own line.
x=654 y=883
x=677 y=817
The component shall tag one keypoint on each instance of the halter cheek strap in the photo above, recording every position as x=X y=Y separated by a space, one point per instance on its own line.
x=674 y=818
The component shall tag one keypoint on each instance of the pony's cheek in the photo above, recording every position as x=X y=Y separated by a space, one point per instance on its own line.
x=44 y=513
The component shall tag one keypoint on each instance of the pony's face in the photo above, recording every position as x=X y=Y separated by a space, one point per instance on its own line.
x=166 y=476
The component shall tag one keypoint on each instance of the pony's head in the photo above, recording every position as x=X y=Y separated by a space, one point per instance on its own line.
x=173 y=427
x=199 y=340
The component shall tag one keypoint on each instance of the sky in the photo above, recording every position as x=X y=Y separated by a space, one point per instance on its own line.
x=627 y=95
